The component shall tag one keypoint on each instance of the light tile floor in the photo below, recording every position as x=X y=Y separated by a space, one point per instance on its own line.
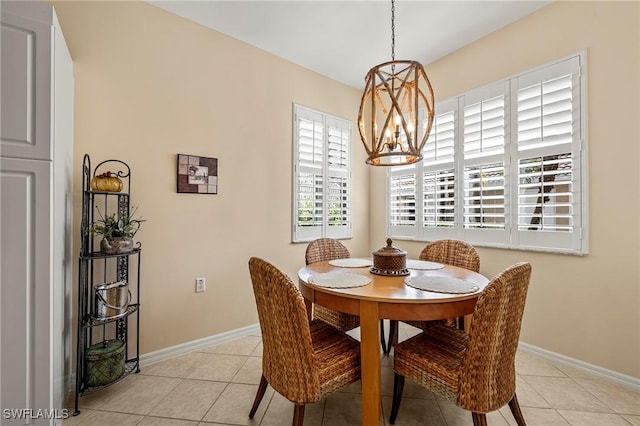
x=217 y=385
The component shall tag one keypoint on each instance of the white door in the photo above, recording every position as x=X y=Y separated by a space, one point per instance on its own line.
x=25 y=285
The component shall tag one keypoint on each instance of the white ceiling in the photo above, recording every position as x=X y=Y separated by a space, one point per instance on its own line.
x=344 y=39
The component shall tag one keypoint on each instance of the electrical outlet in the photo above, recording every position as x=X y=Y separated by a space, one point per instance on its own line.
x=201 y=285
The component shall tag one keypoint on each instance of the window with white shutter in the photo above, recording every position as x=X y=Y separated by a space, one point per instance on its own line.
x=548 y=148
x=402 y=201
x=484 y=138
x=439 y=199
x=338 y=172
x=439 y=147
x=439 y=204
x=504 y=166
x=322 y=176
x=484 y=196
x=545 y=194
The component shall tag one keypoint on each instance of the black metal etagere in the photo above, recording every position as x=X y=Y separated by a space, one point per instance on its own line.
x=96 y=267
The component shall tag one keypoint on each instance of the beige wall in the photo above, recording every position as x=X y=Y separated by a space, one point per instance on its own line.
x=587 y=307
x=149 y=85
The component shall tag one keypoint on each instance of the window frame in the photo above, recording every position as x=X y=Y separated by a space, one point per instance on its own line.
x=574 y=242
x=301 y=234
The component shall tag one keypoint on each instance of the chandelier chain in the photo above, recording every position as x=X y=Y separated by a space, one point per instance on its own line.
x=393 y=30
x=393 y=40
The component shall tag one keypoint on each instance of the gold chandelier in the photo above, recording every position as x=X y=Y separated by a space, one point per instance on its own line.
x=396 y=94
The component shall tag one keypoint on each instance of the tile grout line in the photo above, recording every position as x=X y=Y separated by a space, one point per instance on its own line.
x=596 y=397
x=444 y=419
x=324 y=407
x=164 y=397
x=226 y=383
x=612 y=411
x=215 y=400
x=273 y=394
x=535 y=391
x=589 y=412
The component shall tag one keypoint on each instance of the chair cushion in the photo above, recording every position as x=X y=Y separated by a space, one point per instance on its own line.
x=338 y=357
x=433 y=359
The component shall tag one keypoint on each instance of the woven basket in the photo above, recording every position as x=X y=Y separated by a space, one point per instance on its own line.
x=390 y=261
x=105 y=362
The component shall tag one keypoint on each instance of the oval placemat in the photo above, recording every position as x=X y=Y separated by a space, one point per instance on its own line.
x=351 y=263
x=441 y=284
x=423 y=265
x=339 y=280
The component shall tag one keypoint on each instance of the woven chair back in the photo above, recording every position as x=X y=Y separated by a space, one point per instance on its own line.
x=452 y=252
x=325 y=249
x=288 y=363
x=487 y=379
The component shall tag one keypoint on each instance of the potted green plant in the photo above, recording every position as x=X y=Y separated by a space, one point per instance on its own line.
x=117 y=232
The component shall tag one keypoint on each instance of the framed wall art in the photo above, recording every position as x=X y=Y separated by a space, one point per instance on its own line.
x=197 y=175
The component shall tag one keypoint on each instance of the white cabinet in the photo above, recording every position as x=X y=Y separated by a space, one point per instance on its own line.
x=35 y=212
x=26 y=83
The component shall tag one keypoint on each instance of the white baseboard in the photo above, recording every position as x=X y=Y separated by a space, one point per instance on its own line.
x=603 y=373
x=183 y=348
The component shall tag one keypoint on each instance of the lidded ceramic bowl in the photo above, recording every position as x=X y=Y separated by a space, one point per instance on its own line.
x=389 y=261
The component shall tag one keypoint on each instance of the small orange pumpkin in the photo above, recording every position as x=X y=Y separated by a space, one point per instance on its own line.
x=106 y=182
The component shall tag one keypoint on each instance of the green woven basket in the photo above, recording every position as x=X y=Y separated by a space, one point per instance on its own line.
x=104 y=362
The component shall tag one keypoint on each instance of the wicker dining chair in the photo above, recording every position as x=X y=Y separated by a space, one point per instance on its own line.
x=475 y=370
x=302 y=361
x=450 y=252
x=324 y=249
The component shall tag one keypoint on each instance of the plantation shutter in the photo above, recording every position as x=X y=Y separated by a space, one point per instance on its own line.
x=438 y=175
x=309 y=202
x=548 y=152
x=402 y=201
x=338 y=191
x=322 y=189
x=484 y=127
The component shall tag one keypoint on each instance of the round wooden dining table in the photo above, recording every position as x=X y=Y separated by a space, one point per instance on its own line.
x=386 y=297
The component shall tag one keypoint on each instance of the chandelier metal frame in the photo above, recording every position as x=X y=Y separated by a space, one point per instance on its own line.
x=388 y=119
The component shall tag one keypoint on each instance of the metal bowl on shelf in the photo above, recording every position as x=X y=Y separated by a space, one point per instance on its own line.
x=111 y=300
